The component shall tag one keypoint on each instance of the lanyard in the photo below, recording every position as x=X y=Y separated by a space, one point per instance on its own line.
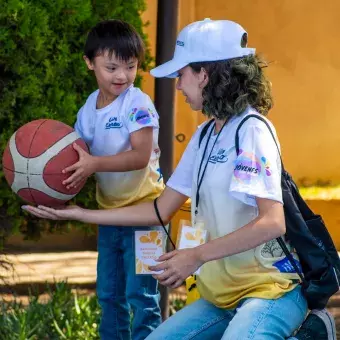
x=200 y=180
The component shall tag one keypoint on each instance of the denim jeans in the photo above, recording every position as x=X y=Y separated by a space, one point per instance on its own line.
x=119 y=288
x=254 y=318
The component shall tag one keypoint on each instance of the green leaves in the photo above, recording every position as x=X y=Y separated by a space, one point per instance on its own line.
x=63 y=316
x=42 y=73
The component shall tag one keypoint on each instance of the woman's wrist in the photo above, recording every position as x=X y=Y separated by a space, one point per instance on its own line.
x=201 y=254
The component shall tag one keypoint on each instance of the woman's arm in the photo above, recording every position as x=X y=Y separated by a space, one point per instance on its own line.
x=268 y=225
x=142 y=214
x=179 y=264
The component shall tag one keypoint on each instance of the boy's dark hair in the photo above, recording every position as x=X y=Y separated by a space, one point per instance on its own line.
x=114 y=36
x=233 y=85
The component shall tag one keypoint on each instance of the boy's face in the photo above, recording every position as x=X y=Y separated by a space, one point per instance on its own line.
x=113 y=75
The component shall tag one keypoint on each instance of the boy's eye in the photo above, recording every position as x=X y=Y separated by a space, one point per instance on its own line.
x=111 y=68
x=132 y=67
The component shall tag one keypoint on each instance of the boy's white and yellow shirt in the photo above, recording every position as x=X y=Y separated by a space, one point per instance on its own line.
x=107 y=132
x=228 y=202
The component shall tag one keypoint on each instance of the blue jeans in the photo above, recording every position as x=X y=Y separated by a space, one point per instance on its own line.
x=254 y=318
x=119 y=288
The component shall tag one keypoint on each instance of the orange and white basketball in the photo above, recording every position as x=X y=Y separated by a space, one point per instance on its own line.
x=34 y=159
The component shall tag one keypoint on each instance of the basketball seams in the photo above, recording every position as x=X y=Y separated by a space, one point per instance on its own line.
x=28 y=159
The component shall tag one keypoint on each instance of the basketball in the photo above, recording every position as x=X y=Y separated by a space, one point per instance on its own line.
x=34 y=159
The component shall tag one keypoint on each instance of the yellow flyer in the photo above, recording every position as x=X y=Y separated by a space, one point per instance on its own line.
x=149 y=246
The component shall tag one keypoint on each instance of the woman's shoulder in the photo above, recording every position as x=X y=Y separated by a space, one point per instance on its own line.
x=251 y=118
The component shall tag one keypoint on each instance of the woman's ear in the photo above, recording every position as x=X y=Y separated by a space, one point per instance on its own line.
x=203 y=78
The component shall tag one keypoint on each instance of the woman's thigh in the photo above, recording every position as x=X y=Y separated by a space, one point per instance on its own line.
x=200 y=320
x=262 y=319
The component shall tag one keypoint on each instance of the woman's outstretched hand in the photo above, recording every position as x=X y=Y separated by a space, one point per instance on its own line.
x=71 y=212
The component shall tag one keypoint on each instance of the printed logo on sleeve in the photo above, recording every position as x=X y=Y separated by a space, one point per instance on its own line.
x=141 y=115
x=249 y=167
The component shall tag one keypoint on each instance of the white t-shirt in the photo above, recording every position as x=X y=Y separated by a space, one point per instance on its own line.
x=227 y=202
x=107 y=132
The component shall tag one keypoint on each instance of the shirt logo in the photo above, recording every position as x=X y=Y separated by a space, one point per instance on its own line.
x=113 y=123
x=249 y=167
x=142 y=116
x=220 y=157
x=180 y=43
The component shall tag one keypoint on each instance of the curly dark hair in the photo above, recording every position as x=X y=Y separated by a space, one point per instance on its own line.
x=233 y=85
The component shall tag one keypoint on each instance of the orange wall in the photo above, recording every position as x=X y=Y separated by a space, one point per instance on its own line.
x=150 y=17
x=300 y=38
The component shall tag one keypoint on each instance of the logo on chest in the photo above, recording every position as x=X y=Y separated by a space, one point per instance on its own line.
x=113 y=123
x=220 y=157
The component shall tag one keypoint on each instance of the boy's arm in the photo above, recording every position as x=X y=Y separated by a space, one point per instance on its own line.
x=137 y=158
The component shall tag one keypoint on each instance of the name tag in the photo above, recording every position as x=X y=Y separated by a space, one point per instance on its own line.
x=149 y=246
x=190 y=237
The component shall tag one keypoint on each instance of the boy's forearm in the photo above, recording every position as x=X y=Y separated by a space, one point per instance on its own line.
x=124 y=161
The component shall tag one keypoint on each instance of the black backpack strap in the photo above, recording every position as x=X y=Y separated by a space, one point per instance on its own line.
x=204 y=131
x=237 y=147
x=237 y=141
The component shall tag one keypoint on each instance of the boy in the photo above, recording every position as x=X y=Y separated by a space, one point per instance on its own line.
x=120 y=125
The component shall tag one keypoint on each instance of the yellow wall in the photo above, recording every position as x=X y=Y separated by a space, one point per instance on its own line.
x=300 y=38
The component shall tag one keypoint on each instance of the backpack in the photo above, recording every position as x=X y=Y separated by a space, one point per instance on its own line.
x=306 y=233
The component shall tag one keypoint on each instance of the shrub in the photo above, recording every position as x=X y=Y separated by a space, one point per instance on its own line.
x=42 y=74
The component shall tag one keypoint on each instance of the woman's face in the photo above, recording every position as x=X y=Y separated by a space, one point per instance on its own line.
x=191 y=84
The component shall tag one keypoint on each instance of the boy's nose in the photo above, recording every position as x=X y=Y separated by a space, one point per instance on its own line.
x=120 y=76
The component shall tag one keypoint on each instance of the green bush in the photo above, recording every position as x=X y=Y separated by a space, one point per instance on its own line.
x=42 y=74
x=63 y=316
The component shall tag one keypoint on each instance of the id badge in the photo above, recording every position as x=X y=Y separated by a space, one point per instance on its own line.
x=191 y=236
x=149 y=246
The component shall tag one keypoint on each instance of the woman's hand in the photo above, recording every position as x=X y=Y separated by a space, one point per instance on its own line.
x=71 y=212
x=177 y=266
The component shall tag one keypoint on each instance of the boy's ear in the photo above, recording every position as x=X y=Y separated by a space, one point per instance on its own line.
x=88 y=62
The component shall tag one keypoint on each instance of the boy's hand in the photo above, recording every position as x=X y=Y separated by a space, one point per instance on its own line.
x=71 y=212
x=84 y=168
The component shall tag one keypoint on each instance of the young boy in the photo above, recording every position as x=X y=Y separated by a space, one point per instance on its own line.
x=120 y=125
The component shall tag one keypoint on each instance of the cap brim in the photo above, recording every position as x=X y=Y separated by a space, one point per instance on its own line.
x=169 y=69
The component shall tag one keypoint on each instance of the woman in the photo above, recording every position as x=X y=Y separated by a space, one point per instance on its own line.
x=248 y=288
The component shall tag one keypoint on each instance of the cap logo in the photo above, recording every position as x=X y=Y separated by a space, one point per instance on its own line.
x=180 y=43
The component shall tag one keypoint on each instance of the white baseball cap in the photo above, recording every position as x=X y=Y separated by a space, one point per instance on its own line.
x=206 y=40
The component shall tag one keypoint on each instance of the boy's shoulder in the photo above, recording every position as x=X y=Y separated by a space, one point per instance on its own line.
x=92 y=98
x=90 y=103
x=136 y=95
